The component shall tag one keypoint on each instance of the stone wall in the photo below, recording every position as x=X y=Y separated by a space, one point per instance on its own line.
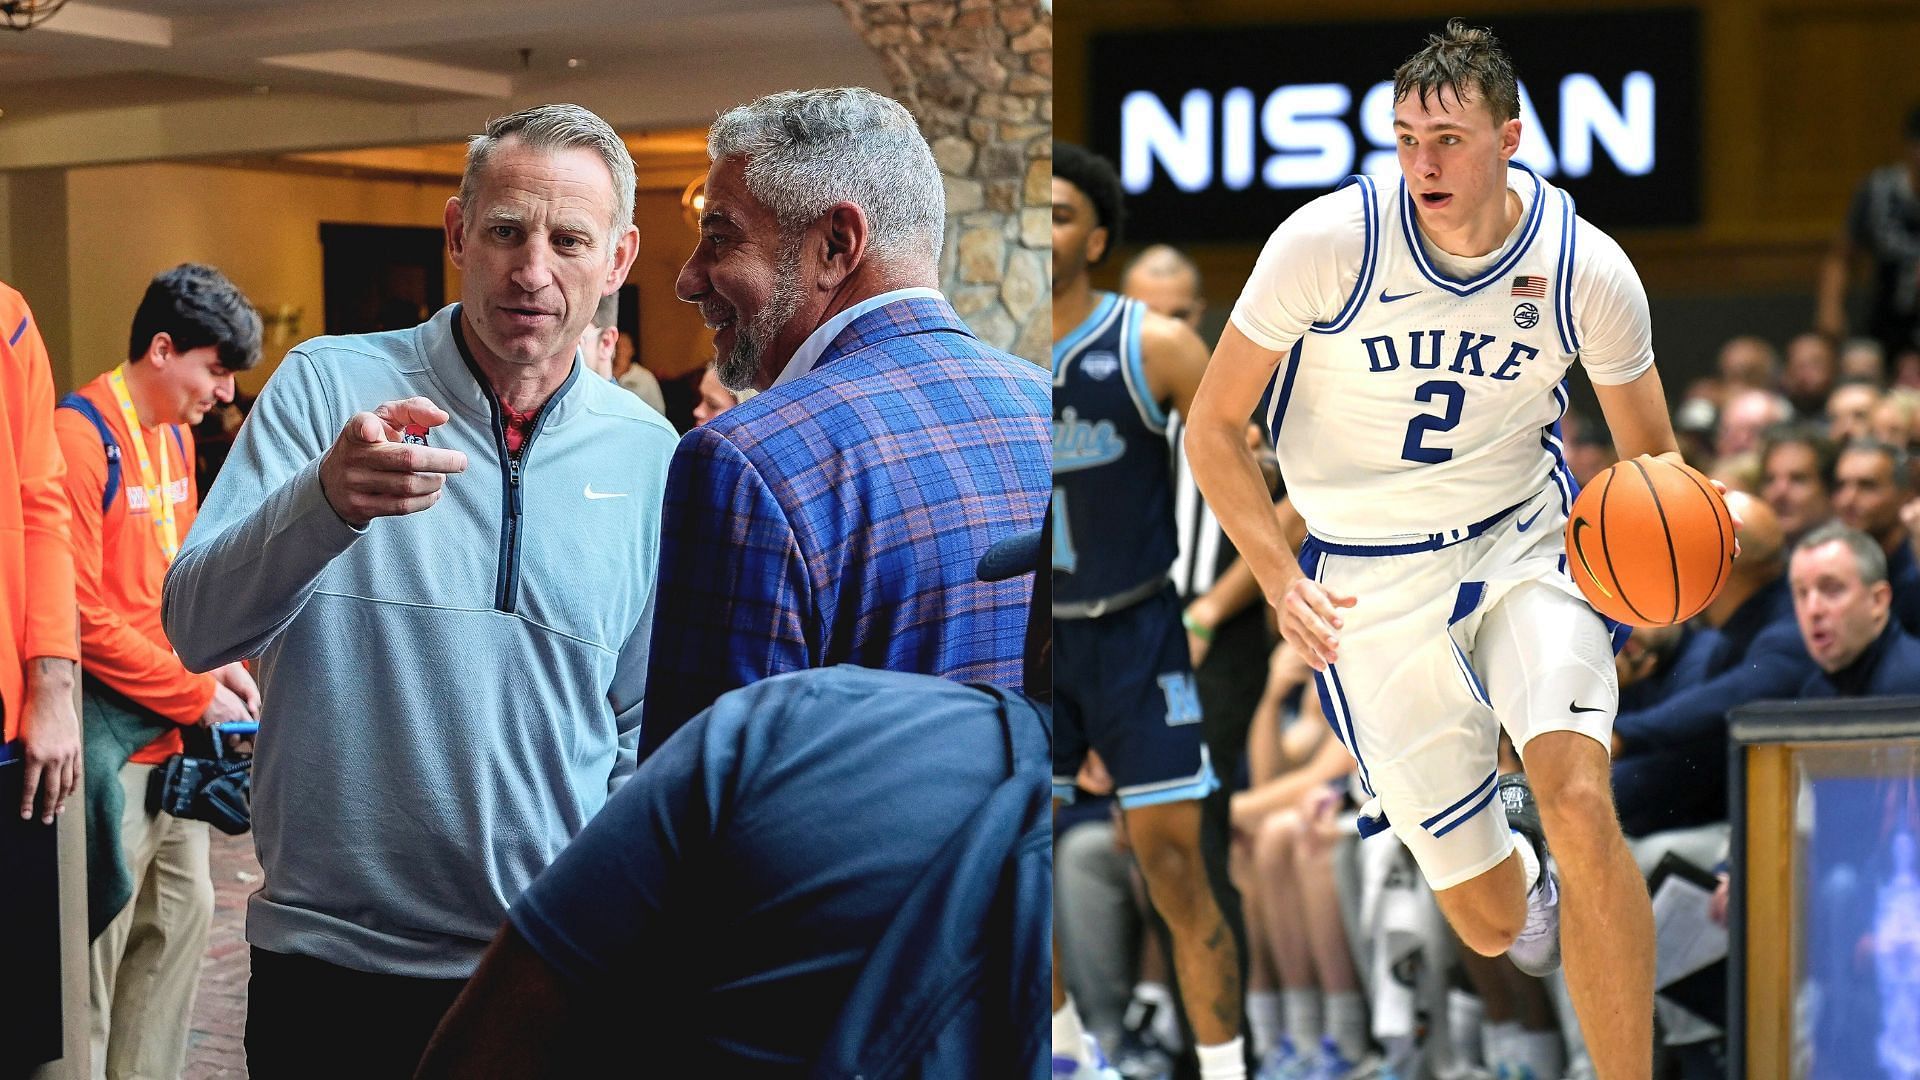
x=978 y=74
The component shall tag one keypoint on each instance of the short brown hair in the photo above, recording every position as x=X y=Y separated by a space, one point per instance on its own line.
x=1467 y=60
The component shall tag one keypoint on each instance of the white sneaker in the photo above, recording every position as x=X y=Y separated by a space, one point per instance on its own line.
x=1536 y=951
x=1090 y=1065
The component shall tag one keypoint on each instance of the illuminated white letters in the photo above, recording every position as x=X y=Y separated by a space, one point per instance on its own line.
x=1586 y=113
x=1305 y=124
x=1184 y=149
x=1310 y=129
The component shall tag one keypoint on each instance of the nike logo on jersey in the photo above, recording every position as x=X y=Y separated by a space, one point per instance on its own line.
x=592 y=494
x=1528 y=524
x=1576 y=707
x=1386 y=299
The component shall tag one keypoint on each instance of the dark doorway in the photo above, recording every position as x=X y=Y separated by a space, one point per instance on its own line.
x=381 y=277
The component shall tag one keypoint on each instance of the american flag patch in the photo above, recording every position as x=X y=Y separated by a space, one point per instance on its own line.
x=1530 y=285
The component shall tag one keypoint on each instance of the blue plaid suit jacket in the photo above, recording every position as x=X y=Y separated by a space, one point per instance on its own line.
x=838 y=518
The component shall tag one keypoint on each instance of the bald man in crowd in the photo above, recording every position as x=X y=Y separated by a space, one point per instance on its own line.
x=1670 y=757
x=1164 y=279
x=1746 y=414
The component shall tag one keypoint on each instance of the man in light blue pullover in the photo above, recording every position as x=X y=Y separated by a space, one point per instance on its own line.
x=441 y=543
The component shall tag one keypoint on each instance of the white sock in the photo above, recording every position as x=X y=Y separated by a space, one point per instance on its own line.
x=1464 y=1014
x=1347 y=1023
x=1542 y=1051
x=1501 y=1040
x=1069 y=1038
x=1529 y=862
x=1263 y=1016
x=1302 y=1010
x=1166 y=1020
x=1227 y=1061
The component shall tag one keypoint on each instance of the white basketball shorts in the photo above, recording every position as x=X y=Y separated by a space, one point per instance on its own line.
x=1454 y=636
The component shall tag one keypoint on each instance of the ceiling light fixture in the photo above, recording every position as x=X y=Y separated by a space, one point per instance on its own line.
x=692 y=201
x=24 y=15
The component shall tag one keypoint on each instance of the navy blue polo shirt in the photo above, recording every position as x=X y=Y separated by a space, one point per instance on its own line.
x=730 y=893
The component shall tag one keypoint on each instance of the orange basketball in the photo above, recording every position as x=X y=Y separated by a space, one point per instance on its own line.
x=1650 y=543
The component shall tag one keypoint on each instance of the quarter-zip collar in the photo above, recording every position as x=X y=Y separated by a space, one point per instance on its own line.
x=466 y=385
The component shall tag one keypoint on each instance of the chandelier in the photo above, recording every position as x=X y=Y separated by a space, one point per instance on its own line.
x=27 y=14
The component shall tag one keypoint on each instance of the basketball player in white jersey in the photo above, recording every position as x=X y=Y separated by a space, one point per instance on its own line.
x=1421 y=330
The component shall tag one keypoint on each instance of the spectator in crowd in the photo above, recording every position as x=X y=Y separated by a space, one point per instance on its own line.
x=1862 y=358
x=1590 y=449
x=1843 y=603
x=1168 y=282
x=846 y=871
x=829 y=520
x=1849 y=409
x=1893 y=419
x=1290 y=820
x=1872 y=484
x=1670 y=756
x=1696 y=423
x=1883 y=229
x=1658 y=661
x=403 y=794
x=716 y=398
x=1098 y=920
x=40 y=761
x=599 y=343
x=1796 y=464
x=1748 y=413
x=1906 y=369
x=130 y=488
x=1748 y=362
x=624 y=352
x=614 y=356
x=1812 y=366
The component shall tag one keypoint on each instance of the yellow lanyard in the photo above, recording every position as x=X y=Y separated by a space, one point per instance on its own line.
x=159 y=496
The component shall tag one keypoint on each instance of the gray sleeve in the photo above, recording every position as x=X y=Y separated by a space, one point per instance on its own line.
x=266 y=533
x=627 y=694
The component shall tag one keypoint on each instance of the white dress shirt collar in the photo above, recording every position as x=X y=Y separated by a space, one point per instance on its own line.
x=816 y=344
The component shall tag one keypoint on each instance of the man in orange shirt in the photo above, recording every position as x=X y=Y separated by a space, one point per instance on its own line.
x=39 y=734
x=193 y=330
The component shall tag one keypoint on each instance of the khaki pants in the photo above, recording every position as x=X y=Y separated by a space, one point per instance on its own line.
x=145 y=966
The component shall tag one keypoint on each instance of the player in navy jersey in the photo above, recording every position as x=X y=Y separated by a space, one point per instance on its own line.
x=1123 y=682
x=1426 y=327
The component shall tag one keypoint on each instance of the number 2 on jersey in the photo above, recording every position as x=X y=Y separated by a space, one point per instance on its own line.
x=1414 y=449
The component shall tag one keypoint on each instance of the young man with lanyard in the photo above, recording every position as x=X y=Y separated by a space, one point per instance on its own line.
x=130 y=488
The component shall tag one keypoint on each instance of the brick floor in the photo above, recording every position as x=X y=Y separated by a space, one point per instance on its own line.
x=214 y=1049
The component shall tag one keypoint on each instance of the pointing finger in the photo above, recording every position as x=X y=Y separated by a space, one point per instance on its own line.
x=409 y=458
x=413 y=410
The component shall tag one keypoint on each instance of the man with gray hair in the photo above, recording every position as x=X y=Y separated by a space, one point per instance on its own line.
x=1843 y=602
x=453 y=690
x=832 y=518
